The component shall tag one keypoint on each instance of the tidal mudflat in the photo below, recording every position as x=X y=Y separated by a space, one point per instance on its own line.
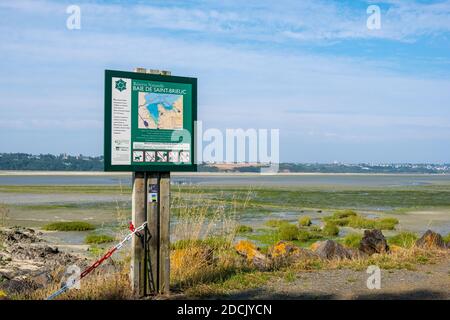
x=419 y=202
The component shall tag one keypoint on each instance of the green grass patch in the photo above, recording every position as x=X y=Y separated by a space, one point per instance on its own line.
x=308 y=235
x=288 y=232
x=214 y=243
x=403 y=239
x=290 y=276
x=351 y=240
x=276 y=223
x=304 y=221
x=96 y=251
x=98 y=239
x=447 y=238
x=243 y=229
x=69 y=226
x=364 y=223
x=330 y=229
x=349 y=218
x=344 y=214
x=264 y=237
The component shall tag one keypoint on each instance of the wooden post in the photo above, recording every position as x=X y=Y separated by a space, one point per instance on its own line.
x=153 y=227
x=164 y=235
x=157 y=215
x=138 y=217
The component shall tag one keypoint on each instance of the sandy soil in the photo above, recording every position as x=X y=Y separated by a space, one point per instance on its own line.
x=419 y=221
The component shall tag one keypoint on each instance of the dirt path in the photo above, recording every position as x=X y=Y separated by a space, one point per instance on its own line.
x=427 y=282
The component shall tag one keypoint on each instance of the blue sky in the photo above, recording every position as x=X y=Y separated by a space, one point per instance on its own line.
x=336 y=90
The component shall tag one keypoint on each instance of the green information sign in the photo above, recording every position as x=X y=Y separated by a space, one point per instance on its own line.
x=149 y=122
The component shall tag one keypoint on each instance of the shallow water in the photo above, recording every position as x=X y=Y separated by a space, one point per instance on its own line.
x=32 y=198
x=237 y=180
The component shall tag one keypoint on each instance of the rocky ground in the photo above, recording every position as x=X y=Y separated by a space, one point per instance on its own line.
x=27 y=262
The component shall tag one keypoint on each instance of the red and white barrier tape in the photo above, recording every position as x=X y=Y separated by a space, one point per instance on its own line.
x=108 y=254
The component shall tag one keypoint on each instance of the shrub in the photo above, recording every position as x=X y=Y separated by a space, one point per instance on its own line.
x=303 y=235
x=386 y=223
x=342 y=222
x=341 y=217
x=447 y=238
x=352 y=219
x=403 y=239
x=344 y=214
x=359 y=222
x=330 y=229
x=304 y=221
x=315 y=228
x=69 y=226
x=213 y=242
x=363 y=223
x=98 y=239
x=352 y=240
x=288 y=232
x=96 y=250
x=243 y=229
x=275 y=223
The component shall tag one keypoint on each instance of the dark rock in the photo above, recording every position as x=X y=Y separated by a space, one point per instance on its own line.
x=23 y=248
x=330 y=249
x=22 y=235
x=372 y=242
x=49 y=250
x=431 y=239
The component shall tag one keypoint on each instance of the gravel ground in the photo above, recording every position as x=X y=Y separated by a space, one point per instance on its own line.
x=427 y=282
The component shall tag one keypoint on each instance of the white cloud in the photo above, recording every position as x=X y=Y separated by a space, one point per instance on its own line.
x=305 y=21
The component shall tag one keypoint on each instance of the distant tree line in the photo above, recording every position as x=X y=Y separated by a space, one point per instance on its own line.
x=49 y=162
x=365 y=168
x=342 y=168
x=64 y=162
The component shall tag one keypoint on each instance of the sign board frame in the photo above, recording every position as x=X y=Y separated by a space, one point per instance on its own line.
x=108 y=116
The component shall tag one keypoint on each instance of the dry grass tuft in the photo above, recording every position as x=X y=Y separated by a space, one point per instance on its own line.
x=4 y=212
x=99 y=285
x=400 y=258
x=205 y=232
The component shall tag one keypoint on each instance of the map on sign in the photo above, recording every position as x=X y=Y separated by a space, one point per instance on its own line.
x=160 y=111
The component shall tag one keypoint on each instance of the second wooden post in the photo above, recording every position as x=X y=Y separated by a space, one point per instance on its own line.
x=158 y=218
